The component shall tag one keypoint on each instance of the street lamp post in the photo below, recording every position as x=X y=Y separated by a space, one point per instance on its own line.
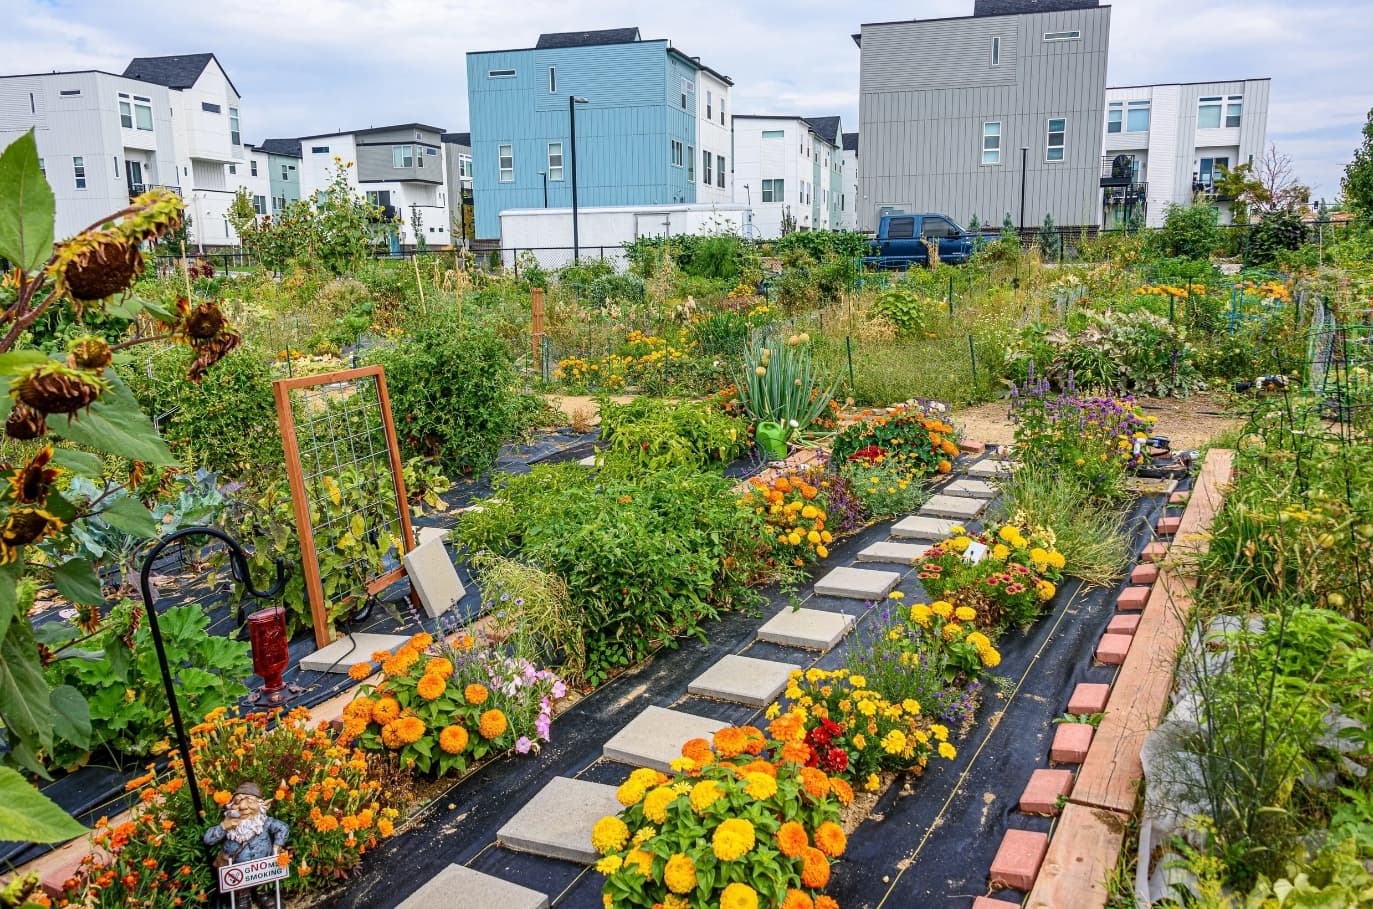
x=1024 y=165
x=572 y=102
x=544 y=174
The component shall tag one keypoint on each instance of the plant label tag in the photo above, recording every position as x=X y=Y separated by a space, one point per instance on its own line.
x=975 y=552
x=250 y=874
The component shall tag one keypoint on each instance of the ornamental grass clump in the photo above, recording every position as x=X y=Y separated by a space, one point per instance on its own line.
x=1013 y=574
x=338 y=802
x=439 y=708
x=781 y=382
x=741 y=823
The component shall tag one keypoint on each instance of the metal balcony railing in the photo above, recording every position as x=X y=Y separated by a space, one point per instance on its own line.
x=1119 y=170
x=138 y=189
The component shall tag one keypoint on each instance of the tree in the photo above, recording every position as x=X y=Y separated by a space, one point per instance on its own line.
x=1268 y=185
x=1275 y=233
x=1050 y=240
x=788 y=221
x=1358 y=176
x=241 y=214
x=417 y=227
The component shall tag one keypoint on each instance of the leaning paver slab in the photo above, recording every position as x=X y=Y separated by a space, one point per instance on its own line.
x=478 y=891
x=973 y=489
x=958 y=507
x=743 y=680
x=343 y=653
x=898 y=553
x=557 y=822
x=1081 y=857
x=857 y=583
x=655 y=737
x=992 y=467
x=922 y=527
x=808 y=629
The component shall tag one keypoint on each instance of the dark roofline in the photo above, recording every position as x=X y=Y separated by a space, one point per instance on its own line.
x=857 y=39
x=209 y=54
x=839 y=145
x=1198 y=82
x=696 y=62
x=457 y=139
x=518 y=50
x=374 y=129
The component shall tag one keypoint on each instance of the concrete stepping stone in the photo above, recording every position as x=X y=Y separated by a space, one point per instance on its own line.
x=807 y=629
x=957 y=507
x=972 y=489
x=1045 y=788
x=588 y=461
x=899 y=553
x=478 y=891
x=425 y=534
x=655 y=737
x=923 y=527
x=743 y=680
x=557 y=822
x=343 y=653
x=991 y=467
x=1071 y=742
x=857 y=584
x=1018 y=859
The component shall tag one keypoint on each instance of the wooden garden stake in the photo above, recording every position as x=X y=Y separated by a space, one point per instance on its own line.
x=536 y=326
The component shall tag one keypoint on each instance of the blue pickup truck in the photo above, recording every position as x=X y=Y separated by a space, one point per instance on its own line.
x=900 y=241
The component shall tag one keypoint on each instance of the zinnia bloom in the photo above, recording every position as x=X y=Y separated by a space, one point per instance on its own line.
x=656 y=802
x=680 y=874
x=797 y=899
x=492 y=724
x=609 y=835
x=703 y=795
x=729 y=742
x=760 y=786
x=815 y=868
x=359 y=671
x=476 y=693
x=739 y=896
x=430 y=687
x=453 y=739
x=830 y=839
x=732 y=839
x=791 y=839
x=409 y=729
x=842 y=791
x=385 y=711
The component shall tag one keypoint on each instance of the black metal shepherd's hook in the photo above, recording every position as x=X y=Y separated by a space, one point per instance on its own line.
x=239 y=561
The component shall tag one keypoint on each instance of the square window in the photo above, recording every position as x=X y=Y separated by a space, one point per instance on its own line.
x=1137 y=117
x=1115 y=117
x=774 y=190
x=1208 y=113
x=143 y=116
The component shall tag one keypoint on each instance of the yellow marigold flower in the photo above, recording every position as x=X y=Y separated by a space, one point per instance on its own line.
x=476 y=693
x=896 y=595
x=920 y=614
x=911 y=706
x=939 y=731
x=609 y=835
x=656 y=802
x=860 y=741
x=952 y=631
x=453 y=739
x=813 y=537
x=867 y=707
x=942 y=608
x=960 y=544
x=492 y=724
x=990 y=657
x=894 y=742
x=732 y=839
x=640 y=861
x=858 y=681
x=610 y=864
x=703 y=795
x=680 y=873
x=822 y=551
x=739 y=896
x=947 y=751
x=1001 y=552
x=965 y=614
x=1046 y=590
x=774 y=710
x=978 y=640
x=1056 y=559
x=430 y=687
x=809 y=512
x=760 y=786
x=830 y=839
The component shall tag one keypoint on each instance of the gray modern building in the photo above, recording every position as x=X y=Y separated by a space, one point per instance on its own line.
x=996 y=113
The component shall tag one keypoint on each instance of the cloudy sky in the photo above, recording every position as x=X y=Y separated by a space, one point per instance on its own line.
x=310 y=66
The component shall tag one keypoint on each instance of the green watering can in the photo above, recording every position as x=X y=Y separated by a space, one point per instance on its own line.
x=772 y=438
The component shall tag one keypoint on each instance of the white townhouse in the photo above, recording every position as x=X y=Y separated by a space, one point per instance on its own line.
x=790 y=168
x=848 y=212
x=1168 y=145
x=401 y=168
x=714 y=141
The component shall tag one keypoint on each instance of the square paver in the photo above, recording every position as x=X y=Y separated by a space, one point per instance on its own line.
x=973 y=489
x=957 y=507
x=1123 y=624
x=343 y=653
x=1089 y=698
x=1168 y=526
x=434 y=577
x=898 y=553
x=425 y=534
x=743 y=680
x=479 y=891
x=1133 y=599
x=991 y=467
x=1071 y=742
x=1018 y=859
x=857 y=583
x=557 y=822
x=1046 y=787
x=1144 y=574
x=1113 y=648
x=1154 y=552
x=655 y=737
x=807 y=629
x=923 y=527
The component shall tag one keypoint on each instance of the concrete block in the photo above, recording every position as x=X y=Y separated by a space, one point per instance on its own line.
x=992 y=467
x=474 y=890
x=557 y=822
x=956 y=507
x=1154 y=552
x=743 y=680
x=343 y=653
x=922 y=527
x=857 y=584
x=434 y=577
x=1167 y=526
x=655 y=737
x=896 y=553
x=807 y=629
x=425 y=534
x=973 y=489
x=1123 y=624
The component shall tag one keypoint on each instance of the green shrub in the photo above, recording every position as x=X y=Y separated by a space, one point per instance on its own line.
x=886 y=489
x=1188 y=232
x=453 y=394
x=911 y=312
x=651 y=435
x=1277 y=232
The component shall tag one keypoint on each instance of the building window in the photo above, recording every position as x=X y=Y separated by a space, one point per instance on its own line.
x=260 y=204
x=234 y=136
x=402 y=156
x=1062 y=36
x=691 y=164
x=677 y=153
x=1115 y=117
x=252 y=168
x=774 y=134
x=233 y=169
x=1137 y=117
x=125 y=115
x=500 y=74
x=79 y=172
x=464 y=166
x=1208 y=113
x=1233 y=109
x=555 y=161
x=209 y=108
x=70 y=93
x=143 y=114
x=552 y=79
x=991 y=142
x=720 y=171
x=1209 y=170
x=506 y=162
x=284 y=173
x=996 y=51
x=710 y=100
x=722 y=110
x=1058 y=134
x=774 y=191
x=686 y=92
x=319 y=149
x=706 y=160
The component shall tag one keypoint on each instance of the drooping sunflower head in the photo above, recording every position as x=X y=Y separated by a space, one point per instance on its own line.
x=156 y=213
x=210 y=353
x=30 y=483
x=96 y=265
x=90 y=352
x=51 y=388
x=23 y=526
x=203 y=323
x=25 y=423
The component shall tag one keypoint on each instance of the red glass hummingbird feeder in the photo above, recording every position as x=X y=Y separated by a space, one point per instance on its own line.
x=271 y=656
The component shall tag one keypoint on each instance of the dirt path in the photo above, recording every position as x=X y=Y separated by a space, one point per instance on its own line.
x=1188 y=423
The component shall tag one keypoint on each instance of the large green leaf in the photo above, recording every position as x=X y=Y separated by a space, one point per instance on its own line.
x=129 y=515
x=9 y=596
x=71 y=716
x=76 y=580
x=115 y=425
x=24 y=699
x=27 y=207
x=82 y=462
x=29 y=816
x=16 y=361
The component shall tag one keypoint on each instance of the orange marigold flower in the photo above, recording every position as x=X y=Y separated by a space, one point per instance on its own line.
x=453 y=739
x=792 y=839
x=476 y=693
x=439 y=666
x=430 y=687
x=222 y=797
x=815 y=868
x=409 y=729
x=815 y=781
x=798 y=899
x=698 y=750
x=842 y=790
x=385 y=827
x=492 y=724
x=830 y=839
x=754 y=741
x=826 y=902
x=730 y=742
x=390 y=737
x=759 y=766
x=386 y=710
x=795 y=752
x=420 y=641
x=943 y=466
x=359 y=671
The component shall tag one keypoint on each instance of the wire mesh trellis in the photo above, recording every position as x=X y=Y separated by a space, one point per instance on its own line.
x=347 y=486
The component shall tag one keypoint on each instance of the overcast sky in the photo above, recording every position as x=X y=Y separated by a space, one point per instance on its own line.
x=310 y=66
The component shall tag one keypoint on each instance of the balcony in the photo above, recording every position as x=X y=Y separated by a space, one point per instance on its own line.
x=138 y=189
x=1208 y=190
x=1120 y=170
x=1127 y=195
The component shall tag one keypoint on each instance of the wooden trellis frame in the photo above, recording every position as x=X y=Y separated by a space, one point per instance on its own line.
x=300 y=494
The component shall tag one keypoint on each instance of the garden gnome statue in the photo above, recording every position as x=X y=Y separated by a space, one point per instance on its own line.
x=247 y=833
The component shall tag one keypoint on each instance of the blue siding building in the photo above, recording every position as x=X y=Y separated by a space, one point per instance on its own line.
x=636 y=133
